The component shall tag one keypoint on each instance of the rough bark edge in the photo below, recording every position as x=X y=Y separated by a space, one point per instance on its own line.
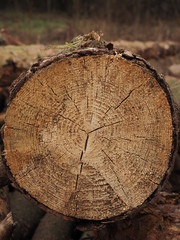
x=84 y=224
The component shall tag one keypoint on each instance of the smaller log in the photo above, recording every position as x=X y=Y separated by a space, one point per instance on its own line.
x=53 y=227
x=26 y=215
x=6 y=227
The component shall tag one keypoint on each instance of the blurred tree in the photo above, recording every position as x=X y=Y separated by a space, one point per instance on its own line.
x=111 y=10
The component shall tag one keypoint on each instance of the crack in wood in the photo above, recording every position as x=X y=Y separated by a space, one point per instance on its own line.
x=129 y=94
x=81 y=156
x=66 y=118
x=96 y=94
x=115 y=175
x=145 y=138
x=116 y=140
x=92 y=117
x=87 y=102
x=24 y=174
x=81 y=168
x=30 y=105
x=96 y=129
x=152 y=181
x=86 y=142
x=72 y=100
x=14 y=128
x=52 y=90
x=77 y=178
x=107 y=110
x=131 y=153
x=107 y=156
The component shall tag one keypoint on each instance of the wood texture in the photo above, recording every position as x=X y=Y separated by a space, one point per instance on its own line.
x=91 y=134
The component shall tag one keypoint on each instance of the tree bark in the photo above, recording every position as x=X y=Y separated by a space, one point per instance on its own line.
x=90 y=133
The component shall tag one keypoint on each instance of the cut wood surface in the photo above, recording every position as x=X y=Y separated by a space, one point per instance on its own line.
x=90 y=134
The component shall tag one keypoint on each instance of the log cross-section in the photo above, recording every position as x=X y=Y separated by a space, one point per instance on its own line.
x=90 y=134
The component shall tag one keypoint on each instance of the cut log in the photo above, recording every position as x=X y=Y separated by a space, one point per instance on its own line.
x=90 y=134
x=26 y=215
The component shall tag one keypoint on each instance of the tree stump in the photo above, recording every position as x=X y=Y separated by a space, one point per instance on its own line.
x=91 y=133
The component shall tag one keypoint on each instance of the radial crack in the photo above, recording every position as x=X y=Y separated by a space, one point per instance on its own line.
x=153 y=181
x=107 y=156
x=86 y=142
x=81 y=168
x=120 y=184
x=87 y=102
x=129 y=94
x=96 y=129
x=145 y=138
x=52 y=90
x=66 y=118
x=72 y=100
x=131 y=153
x=77 y=178
x=81 y=156
x=14 y=128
